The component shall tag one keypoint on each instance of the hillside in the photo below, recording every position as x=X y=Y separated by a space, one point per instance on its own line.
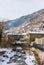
x=32 y=22
x=36 y=24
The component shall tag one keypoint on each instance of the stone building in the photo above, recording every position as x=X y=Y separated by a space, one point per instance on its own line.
x=39 y=40
x=36 y=37
x=13 y=38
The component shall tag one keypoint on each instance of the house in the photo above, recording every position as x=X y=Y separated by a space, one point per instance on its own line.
x=37 y=37
x=13 y=38
x=39 y=40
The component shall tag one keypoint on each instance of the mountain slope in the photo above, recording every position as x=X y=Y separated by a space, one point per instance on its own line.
x=26 y=21
x=18 y=22
x=35 y=24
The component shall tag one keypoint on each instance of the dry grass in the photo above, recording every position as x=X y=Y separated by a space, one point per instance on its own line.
x=39 y=56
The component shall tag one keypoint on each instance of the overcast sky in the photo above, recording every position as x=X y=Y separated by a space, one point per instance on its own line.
x=12 y=9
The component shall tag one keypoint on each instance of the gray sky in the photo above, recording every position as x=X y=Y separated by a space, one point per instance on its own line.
x=11 y=9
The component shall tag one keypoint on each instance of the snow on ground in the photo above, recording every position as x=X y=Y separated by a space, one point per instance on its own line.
x=30 y=58
x=22 y=57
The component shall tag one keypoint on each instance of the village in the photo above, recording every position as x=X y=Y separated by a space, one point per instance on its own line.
x=33 y=41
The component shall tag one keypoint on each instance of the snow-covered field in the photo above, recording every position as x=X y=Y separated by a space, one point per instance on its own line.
x=18 y=57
